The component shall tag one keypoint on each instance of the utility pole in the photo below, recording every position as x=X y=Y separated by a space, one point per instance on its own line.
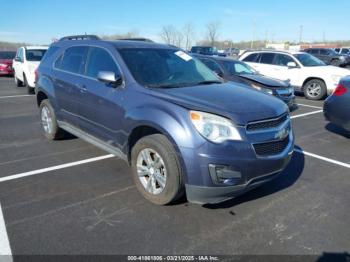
x=301 y=34
x=253 y=38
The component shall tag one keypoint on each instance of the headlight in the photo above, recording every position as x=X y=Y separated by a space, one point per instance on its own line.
x=215 y=128
x=265 y=90
x=336 y=78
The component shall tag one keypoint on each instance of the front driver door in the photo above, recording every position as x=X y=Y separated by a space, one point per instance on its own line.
x=101 y=105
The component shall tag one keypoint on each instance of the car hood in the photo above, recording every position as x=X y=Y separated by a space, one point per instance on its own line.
x=6 y=61
x=232 y=100
x=266 y=81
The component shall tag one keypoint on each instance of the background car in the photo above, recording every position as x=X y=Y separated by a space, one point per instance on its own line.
x=206 y=50
x=25 y=63
x=240 y=72
x=6 y=58
x=329 y=56
x=232 y=51
x=337 y=106
x=343 y=50
x=305 y=72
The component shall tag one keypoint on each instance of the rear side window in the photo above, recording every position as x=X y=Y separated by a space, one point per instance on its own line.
x=282 y=60
x=212 y=65
x=325 y=52
x=74 y=59
x=100 y=60
x=267 y=58
x=49 y=53
x=313 y=51
x=251 y=58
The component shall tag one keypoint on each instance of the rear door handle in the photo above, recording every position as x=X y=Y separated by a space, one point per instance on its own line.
x=82 y=88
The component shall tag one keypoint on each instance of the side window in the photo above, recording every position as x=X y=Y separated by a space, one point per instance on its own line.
x=251 y=58
x=324 y=52
x=314 y=51
x=267 y=58
x=100 y=60
x=282 y=60
x=212 y=65
x=20 y=53
x=74 y=59
x=337 y=50
x=345 y=51
x=58 y=62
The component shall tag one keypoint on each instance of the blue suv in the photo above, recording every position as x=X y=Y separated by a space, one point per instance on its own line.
x=182 y=129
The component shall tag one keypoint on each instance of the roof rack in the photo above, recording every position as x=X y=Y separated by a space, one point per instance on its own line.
x=141 y=39
x=80 y=37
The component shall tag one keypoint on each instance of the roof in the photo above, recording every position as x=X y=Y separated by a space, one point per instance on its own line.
x=30 y=47
x=119 y=44
x=275 y=51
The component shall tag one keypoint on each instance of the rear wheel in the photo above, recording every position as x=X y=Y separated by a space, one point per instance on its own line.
x=49 y=122
x=156 y=170
x=335 y=62
x=315 y=89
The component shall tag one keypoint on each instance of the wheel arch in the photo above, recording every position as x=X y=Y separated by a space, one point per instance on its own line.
x=312 y=78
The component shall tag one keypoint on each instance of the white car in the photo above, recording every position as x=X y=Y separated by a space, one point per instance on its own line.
x=305 y=72
x=25 y=63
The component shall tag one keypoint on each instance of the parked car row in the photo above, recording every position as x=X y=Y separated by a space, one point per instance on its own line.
x=330 y=56
x=305 y=72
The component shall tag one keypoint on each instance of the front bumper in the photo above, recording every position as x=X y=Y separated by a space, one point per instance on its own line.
x=287 y=96
x=240 y=158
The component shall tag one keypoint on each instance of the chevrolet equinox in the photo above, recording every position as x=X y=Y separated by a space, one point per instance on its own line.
x=180 y=127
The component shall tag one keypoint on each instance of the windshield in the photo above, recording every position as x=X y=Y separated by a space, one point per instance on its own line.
x=309 y=60
x=238 y=68
x=7 y=55
x=35 y=54
x=166 y=68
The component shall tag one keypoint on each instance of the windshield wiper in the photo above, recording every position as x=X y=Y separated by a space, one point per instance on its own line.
x=207 y=82
x=167 y=86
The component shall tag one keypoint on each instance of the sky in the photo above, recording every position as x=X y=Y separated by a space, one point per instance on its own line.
x=38 y=21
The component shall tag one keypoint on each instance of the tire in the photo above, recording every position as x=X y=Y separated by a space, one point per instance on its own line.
x=315 y=89
x=18 y=82
x=335 y=62
x=157 y=147
x=48 y=121
x=30 y=90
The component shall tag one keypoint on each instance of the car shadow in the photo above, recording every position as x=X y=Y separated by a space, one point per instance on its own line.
x=287 y=178
x=337 y=257
x=337 y=130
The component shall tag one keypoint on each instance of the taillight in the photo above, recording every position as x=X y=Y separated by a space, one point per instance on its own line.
x=36 y=75
x=339 y=90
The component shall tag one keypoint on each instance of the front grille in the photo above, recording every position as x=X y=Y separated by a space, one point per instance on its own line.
x=271 y=148
x=265 y=124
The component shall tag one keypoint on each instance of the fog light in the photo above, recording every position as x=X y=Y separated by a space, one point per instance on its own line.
x=224 y=175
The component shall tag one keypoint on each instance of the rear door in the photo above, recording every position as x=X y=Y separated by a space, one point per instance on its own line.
x=101 y=104
x=266 y=66
x=253 y=60
x=68 y=74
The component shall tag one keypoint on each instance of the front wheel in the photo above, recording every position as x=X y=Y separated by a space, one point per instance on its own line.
x=30 y=90
x=18 y=82
x=315 y=89
x=156 y=170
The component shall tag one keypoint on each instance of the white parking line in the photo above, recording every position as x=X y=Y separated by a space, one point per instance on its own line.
x=5 y=249
x=2 y=97
x=306 y=114
x=329 y=160
x=317 y=107
x=52 y=168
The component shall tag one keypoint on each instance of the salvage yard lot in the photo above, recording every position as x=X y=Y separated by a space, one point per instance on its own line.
x=94 y=208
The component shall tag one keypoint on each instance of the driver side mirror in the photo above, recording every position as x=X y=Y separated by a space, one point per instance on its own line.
x=109 y=78
x=219 y=73
x=292 y=65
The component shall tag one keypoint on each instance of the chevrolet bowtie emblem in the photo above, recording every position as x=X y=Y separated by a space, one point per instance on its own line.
x=282 y=134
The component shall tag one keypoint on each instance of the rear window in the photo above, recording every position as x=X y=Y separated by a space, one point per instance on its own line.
x=251 y=58
x=50 y=52
x=35 y=55
x=74 y=59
